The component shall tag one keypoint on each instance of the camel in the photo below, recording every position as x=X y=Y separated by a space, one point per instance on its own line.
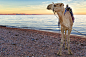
x=65 y=22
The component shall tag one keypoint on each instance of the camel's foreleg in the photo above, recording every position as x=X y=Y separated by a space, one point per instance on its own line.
x=65 y=40
x=62 y=41
x=68 y=40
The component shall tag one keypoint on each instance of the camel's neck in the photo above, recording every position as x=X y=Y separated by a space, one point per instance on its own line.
x=61 y=16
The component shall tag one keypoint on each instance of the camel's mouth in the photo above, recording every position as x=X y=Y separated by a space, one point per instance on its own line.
x=48 y=8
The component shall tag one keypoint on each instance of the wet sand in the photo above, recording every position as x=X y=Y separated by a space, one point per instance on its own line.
x=15 y=42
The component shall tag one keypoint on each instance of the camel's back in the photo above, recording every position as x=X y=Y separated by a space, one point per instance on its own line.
x=68 y=19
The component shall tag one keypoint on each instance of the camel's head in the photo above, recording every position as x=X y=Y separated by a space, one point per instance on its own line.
x=56 y=7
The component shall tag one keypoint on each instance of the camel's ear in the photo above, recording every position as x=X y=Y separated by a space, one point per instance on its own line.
x=61 y=4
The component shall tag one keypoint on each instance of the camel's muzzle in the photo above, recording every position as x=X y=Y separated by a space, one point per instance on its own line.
x=48 y=7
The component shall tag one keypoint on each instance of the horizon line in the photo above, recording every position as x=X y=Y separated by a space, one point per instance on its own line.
x=31 y=14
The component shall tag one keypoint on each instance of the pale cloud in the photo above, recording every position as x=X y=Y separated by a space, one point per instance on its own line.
x=69 y=0
x=38 y=7
x=45 y=2
x=78 y=7
x=1 y=6
x=81 y=4
x=24 y=8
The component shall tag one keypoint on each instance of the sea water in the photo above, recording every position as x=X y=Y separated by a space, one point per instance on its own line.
x=42 y=22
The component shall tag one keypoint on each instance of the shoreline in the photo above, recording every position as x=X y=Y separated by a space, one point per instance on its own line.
x=27 y=42
x=73 y=35
x=40 y=29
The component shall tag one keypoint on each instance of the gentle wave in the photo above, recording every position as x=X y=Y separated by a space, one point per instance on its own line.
x=42 y=22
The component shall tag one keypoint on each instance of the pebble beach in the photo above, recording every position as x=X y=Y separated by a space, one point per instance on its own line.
x=17 y=42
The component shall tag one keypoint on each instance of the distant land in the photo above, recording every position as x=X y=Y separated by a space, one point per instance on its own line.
x=32 y=14
x=22 y=14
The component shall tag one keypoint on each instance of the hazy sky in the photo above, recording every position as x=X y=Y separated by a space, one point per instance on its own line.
x=39 y=6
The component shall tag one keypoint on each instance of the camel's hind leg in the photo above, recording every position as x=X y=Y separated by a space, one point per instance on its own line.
x=68 y=40
x=62 y=41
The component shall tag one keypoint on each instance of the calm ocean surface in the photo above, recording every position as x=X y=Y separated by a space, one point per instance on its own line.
x=42 y=22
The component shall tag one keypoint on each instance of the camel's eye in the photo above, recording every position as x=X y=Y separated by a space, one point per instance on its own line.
x=54 y=5
x=57 y=4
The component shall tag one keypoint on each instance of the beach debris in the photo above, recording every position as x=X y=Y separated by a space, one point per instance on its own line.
x=13 y=44
x=32 y=39
x=44 y=55
x=31 y=55
x=3 y=49
x=83 y=44
x=16 y=35
x=9 y=32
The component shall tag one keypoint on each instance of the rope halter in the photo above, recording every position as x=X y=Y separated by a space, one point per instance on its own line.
x=54 y=13
x=53 y=7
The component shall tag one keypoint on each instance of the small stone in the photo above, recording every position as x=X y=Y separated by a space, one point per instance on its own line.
x=85 y=47
x=36 y=39
x=56 y=49
x=13 y=43
x=32 y=39
x=28 y=51
x=20 y=45
x=52 y=47
x=16 y=35
x=3 y=49
x=83 y=44
x=44 y=55
x=32 y=56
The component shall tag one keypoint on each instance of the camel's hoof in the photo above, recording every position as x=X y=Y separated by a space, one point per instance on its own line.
x=66 y=48
x=59 y=53
x=70 y=53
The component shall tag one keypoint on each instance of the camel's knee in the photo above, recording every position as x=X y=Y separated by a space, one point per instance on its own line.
x=68 y=42
x=62 y=42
